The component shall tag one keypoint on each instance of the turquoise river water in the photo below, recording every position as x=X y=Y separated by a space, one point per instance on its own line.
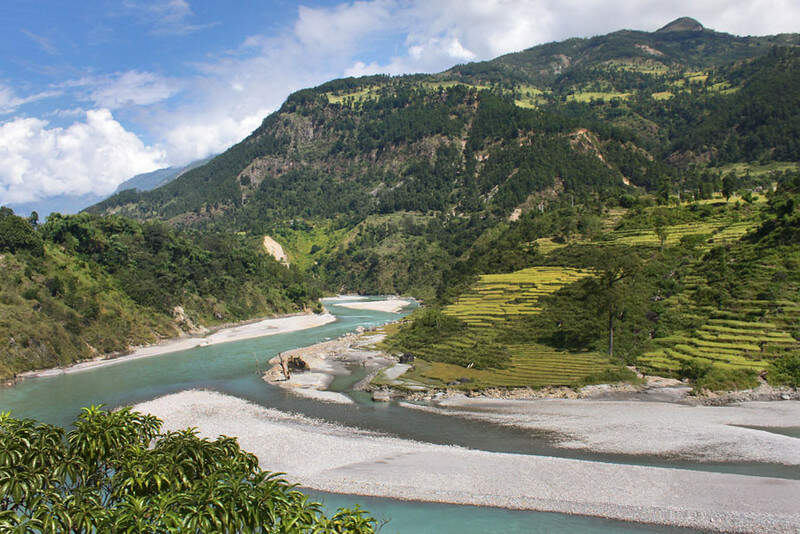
x=234 y=368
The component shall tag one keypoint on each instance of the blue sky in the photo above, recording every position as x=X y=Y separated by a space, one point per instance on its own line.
x=93 y=92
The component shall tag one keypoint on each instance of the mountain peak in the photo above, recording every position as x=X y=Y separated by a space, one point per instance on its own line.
x=682 y=24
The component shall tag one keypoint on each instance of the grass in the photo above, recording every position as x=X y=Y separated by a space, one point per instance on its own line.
x=588 y=96
x=758 y=170
x=320 y=237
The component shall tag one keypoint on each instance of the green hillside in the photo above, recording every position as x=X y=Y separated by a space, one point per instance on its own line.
x=719 y=306
x=83 y=286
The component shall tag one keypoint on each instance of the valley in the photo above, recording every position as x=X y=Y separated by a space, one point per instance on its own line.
x=588 y=260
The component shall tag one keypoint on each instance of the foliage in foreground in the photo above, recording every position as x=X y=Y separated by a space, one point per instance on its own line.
x=116 y=472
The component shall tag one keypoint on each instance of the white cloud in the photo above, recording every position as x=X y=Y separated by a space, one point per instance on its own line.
x=132 y=88
x=197 y=138
x=166 y=16
x=9 y=101
x=88 y=157
x=43 y=42
x=342 y=28
x=445 y=32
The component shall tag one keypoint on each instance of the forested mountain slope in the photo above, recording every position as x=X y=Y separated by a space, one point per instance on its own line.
x=83 y=286
x=361 y=178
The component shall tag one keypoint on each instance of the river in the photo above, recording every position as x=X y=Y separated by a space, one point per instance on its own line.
x=234 y=368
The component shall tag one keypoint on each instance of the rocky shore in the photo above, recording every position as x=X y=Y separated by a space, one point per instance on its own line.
x=309 y=371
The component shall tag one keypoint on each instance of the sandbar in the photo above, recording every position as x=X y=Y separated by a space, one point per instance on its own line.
x=334 y=458
x=388 y=305
x=700 y=433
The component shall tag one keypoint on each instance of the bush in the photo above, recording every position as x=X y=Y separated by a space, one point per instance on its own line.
x=721 y=379
x=786 y=370
x=30 y=294
x=611 y=375
x=115 y=472
x=694 y=369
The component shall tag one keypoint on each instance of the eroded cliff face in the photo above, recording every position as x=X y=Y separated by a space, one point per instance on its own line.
x=274 y=249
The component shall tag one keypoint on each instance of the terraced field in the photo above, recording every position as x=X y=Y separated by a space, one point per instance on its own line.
x=531 y=365
x=547 y=245
x=497 y=298
x=726 y=340
x=719 y=231
x=493 y=301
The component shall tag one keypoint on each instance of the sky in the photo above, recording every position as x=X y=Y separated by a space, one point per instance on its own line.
x=93 y=92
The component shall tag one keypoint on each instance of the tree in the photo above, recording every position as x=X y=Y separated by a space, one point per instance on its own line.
x=664 y=189
x=115 y=472
x=614 y=266
x=660 y=228
x=729 y=184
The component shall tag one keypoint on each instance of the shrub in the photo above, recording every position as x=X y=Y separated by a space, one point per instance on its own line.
x=721 y=379
x=115 y=472
x=786 y=370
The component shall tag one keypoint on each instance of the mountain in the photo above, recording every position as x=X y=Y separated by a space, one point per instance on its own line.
x=360 y=178
x=58 y=204
x=681 y=46
x=150 y=180
x=625 y=199
x=682 y=24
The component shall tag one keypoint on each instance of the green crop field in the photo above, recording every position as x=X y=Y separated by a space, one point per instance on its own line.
x=718 y=231
x=492 y=302
x=729 y=343
x=547 y=245
x=339 y=97
x=758 y=170
x=662 y=95
x=531 y=365
x=588 y=96
x=503 y=297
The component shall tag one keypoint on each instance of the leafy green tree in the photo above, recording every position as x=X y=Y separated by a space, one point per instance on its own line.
x=729 y=184
x=115 y=472
x=17 y=234
x=615 y=268
x=660 y=228
x=664 y=188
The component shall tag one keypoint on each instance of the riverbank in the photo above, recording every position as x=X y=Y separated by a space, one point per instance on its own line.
x=312 y=369
x=333 y=458
x=245 y=330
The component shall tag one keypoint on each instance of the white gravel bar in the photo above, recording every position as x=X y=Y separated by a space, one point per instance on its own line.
x=705 y=433
x=333 y=458
x=390 y=305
